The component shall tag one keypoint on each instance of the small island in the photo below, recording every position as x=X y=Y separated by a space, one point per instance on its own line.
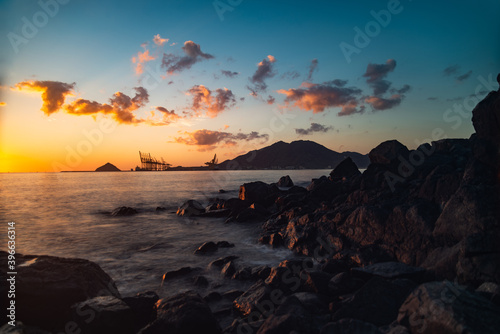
x=108 y=167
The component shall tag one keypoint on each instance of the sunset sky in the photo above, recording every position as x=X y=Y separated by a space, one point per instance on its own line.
x=83 y=83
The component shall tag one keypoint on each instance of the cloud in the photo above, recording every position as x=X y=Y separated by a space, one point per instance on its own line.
x=315 y=127
x=3 y=104
x=270 y=100
x=336 y=82
x=140 y=60
x=213 y=104
x=379 y=103
x=121 y=106
x=264 y=71
x=159 y=41
x=168 y=117
x=464 y=77
x=318 y=97
x=313 y=67
x=376 y=72
x=229 y=74
x=402 y=90
x=451 y=70
x=290 y=75
x=433 y=98
x=193 y=55
x=53 y=93
x=207 y=140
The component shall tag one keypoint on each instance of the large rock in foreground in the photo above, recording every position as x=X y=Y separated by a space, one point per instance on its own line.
x=486 y=117
x=259 y=192
x=443 y=307
x=182 y=314
x=47 y=287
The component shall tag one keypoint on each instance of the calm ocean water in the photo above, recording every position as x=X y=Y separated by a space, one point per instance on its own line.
x=68 y=214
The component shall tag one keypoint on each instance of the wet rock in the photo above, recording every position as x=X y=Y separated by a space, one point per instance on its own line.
x=252 y=299
x=220 y=262
x=315 y=281
x=218 y=213
x=343 y=283
x=444 y=307
x=258 y=192
x=190 y=208
x=207 y=247
x=390 y=270
x=183 y=313
x=243 y=274
x=285 y=181
x=260 y=272
x=212 y=297
x=47 y=286
x=143 y=308
x=160 y=209
x=377 y=302
x=224 y=244
x=124 y=211
x=222 y=191
x=491 y=291
x=349 y=326
x=102 y=315
x=228 y=270
x=176 y=273
x=256 y=211
x=200 y=281
x=345 y=170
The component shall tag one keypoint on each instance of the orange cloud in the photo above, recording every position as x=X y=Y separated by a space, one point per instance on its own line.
x=121 y=106
x=207 y=140
x=168 y=117
x=140 y=60
x=53 y=93
x=318 y=97
x=159 y=41
x=379 y=103
x=213 y=104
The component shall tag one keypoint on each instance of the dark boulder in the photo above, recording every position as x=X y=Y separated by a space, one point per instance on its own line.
x=443 y=307
x=285 y=181
x=252 y=299
x=224 y=244
x=345 y=170
x=377 y=302
x=200 y=281
x=182 y=314
x=102 y=315
x=486 y=117
x=143 y=308
x=176 y=273
x=390 y=270
x=388 y=153
x=220 y=262
x=207 y=247
x=190 y=208
x=124 y=211
x=47 y=286
x=258 y=192
x=228 y=270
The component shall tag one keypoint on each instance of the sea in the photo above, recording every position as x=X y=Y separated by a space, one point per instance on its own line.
x=69 y=215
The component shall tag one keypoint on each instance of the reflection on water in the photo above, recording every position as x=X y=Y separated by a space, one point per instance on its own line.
x=67 y=214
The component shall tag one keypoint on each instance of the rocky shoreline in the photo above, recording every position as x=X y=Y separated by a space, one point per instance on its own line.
x=408 y=246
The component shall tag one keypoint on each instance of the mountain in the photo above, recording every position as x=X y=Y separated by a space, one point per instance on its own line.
x=297 y=154
x=107 y=168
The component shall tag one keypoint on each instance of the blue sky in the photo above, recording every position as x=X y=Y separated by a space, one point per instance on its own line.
x=427 y=59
